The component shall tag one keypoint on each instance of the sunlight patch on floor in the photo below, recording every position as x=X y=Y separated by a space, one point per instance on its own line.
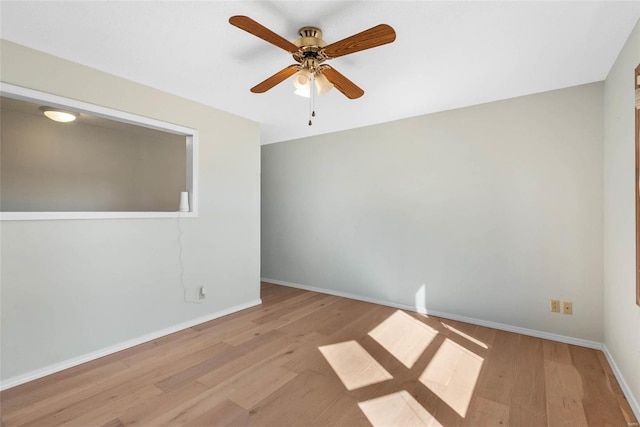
x=462 y=334
x=353 y=365
x=404 y=337
x=452 y=374
x=397 y=409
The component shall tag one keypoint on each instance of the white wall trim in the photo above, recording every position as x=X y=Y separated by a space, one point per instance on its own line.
x=623 y=384
x=69 y=363
x=501 y=326
x=191 y=135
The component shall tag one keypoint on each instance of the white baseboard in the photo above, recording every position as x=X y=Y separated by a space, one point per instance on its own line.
x=488 y=324
x=57 y=367
x=623 y=384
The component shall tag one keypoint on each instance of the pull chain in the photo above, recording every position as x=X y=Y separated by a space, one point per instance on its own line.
x=312 y=111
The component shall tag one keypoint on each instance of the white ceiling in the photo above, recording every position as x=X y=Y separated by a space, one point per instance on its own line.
x=447 y=54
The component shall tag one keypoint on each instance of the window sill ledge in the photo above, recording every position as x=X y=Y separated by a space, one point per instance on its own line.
x=40 y=216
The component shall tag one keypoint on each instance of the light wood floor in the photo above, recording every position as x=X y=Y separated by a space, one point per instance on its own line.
x=303 y=358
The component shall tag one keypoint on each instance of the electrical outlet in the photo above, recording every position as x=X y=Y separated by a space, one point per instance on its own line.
x=555 y=305
x=567 y=307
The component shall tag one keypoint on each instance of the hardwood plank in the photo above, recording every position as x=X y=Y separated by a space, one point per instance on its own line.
x=21 y=399
x=95 y=406
x=189 y=411
x=311 y=359
x=113 y=423
x=498 y=374
x=293 y=304
x=399 y=408
x=229 y=328
x=263 y=366
x=452 y=375
x=219 y=359
x=237 y=362
x=155 y=407
x=250 y=385
x=250 y=389
x=564 y=394
x=304 y=398
x=360 y=327
x=528 y=399
x=490 y=413
x=225 y=413
x=277 y=294
x=272 y=299
x=485 y=335
x=462 y=334
x=89 y=372
x=556 y=352
x=187 y=344
x=243 y=315
x=342 y=412
x=153 y=371
x=280 y=319
x=599 y=403
x=612 y=384
x=311 y=323
x=344 y=318
x=99 y=412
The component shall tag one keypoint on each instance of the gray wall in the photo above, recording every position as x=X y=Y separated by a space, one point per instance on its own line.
x=487 y=212
x=77 y=286
x=622 y=315
x=62 y=167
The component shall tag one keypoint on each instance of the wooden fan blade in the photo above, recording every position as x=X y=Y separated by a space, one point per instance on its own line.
x=278 y=77
x=343 y=84
x=258 y=30
x=373 y=37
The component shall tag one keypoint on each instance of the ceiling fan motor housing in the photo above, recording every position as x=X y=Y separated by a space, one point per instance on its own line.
x=310 y=36
x=310 y=45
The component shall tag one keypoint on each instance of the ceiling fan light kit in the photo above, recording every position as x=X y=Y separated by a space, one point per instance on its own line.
x=302 y=83
x=310 y=51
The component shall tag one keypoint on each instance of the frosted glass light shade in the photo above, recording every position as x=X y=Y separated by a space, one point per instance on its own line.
x=302 y=82
x=322 y=84
x=58 y=115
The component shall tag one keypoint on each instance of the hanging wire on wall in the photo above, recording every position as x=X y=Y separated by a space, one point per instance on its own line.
x=184 y=288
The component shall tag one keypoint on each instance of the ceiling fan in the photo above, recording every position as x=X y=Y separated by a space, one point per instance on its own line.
x=310 y=52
